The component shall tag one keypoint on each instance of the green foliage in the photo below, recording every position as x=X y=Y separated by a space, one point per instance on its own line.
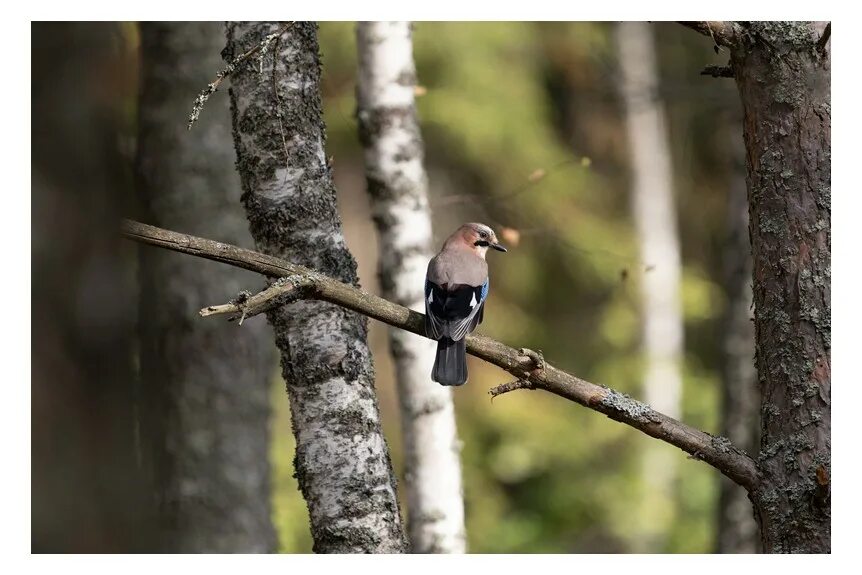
x=503 y=101
x=290 y=514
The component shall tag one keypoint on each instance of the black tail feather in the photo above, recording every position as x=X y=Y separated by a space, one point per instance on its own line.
x=450 y=366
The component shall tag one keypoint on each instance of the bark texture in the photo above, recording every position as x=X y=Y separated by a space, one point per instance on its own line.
x=342 y=460
x=206 y=387
x=784 y=82
x=655 y=221
x=737 y=528
x=397 y=184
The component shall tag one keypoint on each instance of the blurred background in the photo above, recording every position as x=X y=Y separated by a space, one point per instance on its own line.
x=525 y=130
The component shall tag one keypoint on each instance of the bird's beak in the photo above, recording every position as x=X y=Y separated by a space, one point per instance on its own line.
x=499 y=248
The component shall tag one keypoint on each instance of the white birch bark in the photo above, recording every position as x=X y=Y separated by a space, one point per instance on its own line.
x=655 y=220
x=397 y=184
x=342 y=460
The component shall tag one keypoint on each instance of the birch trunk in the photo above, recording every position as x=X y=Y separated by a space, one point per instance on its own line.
x=655 y=221
x=207 y=386
x=737 y=529
x=342 y=460
x=397 y=184
x=784 y=82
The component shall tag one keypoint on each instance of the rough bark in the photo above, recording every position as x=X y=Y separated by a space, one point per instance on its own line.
x=784 y=82
x=90 y=486
x=300 y=283
x=397 y=185
x=342 y=460
x=737 y=528
x=654 y=214
x=206 y=388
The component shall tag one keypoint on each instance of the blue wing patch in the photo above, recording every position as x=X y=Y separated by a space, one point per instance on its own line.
x=453 y=313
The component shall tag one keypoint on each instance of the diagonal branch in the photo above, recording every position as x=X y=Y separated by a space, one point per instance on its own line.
x=722 y=33
x=213 y=86
x=523 y=364
x=824 y=38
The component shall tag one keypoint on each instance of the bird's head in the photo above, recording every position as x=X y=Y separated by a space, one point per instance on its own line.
x=476 y=237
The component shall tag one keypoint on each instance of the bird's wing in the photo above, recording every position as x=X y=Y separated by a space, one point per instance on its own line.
x=469 y=311
x=455 y=312
x=435 y=327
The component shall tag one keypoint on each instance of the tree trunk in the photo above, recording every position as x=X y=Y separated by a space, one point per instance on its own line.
x=784 y=83
x=655 y=220
x=397 y=184
x=90 y=485
x=737 y=528
x=342 y=460
x=207 y=386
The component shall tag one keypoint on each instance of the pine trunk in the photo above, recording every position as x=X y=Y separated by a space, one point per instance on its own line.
x=655 y=220
x=784 y=83
x=397 y=184
x=206 y=384
x=342 y=460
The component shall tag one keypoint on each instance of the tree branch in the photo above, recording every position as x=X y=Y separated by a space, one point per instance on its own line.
x=717 y=71
x=527 y=366
x=213 y=86
x=283 y=291
x=722 y=33
x=824 y=38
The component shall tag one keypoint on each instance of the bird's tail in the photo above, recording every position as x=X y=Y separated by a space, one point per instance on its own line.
x=450 y=367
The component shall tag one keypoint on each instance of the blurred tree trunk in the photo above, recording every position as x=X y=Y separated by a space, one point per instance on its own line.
x=342 y=460
x=655 y=221
x=397 y=184
x=784 y=82
x=91 y=490
x=206 y=384
x=737 y=528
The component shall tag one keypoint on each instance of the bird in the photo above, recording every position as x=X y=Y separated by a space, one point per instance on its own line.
x=456 y=287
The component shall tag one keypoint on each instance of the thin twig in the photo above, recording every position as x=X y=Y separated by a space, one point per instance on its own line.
x=211 y=88
x=510 y=386
x=536 y=356
x=717 y=71
x=283 y=291
x=824 y=38
x=278 y=112
x=722 y=33
x=715 y=45
x=718 y=452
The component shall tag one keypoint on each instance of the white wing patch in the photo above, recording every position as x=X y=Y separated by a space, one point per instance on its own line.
x=431 y=296
x=473 y=301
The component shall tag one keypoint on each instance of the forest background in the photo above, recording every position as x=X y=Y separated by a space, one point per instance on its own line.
x=524 y=129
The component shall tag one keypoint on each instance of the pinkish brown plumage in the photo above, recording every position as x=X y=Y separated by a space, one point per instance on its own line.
x=456 y=287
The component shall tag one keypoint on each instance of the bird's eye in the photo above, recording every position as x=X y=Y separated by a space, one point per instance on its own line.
x=483 y=234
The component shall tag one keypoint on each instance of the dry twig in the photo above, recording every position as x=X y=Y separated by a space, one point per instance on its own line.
x=212 y=87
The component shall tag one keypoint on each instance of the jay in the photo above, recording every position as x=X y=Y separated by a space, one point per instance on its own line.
x=456 y=287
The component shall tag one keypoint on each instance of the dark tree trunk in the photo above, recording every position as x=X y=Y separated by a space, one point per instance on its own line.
x=784 y=83
x=206 y=385
x=90 y=488
x=342 y=460
x=737 y=528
